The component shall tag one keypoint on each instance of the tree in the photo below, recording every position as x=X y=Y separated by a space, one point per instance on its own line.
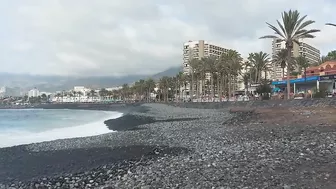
x=260 y=61
x=264 y=89
x=281 y=59
x=291 y=30
x=331 y=55
x=234 y=63
x=149 y=86
x=210 y=64
x=103 y=92
x=164 y=88
x=194 y=64
x=124 y=91
x=246 y=78
x=303 y=63
x=44 y=97
x=180 y=79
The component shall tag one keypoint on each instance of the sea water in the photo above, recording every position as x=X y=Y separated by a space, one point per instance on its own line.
x=24 y=126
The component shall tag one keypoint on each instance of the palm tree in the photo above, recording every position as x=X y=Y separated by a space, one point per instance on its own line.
x=103 y=93
x=164 y=85
x=245 y=78
x=281 y=59
x=201 y=72
x=331 y=55
x=303 y=63
x=194 y=64
x=260 y=62
x=210 y=64
x=92 y=93
x=234 y=66
x=292 y=29
x=79 y=94
x=149 y=86
x=223 y=72
x=185 y=80
x=125 y=91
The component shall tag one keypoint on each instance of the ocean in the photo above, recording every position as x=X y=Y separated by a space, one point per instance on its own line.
x=24 y=126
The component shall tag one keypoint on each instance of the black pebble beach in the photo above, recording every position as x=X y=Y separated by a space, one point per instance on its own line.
x=162 y=146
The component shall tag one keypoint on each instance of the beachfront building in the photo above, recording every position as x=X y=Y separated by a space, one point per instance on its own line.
x=114 y=88
x=34 y=93
x=317 y=77
x=81 y=90
x=302 y=49
x=199 y=49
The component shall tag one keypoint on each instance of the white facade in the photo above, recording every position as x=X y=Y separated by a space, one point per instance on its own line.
x=114 y=88
x=69 y=99
x=301 y=49
x=199 y=49
x=82 y=90
x=34 y=93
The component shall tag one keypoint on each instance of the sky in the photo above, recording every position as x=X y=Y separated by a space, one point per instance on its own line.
x=121 y=37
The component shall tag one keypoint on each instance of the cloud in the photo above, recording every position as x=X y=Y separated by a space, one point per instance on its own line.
x=22 y=46
x=84 y=37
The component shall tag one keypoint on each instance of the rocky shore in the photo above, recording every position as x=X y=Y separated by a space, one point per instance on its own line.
x=174 y=147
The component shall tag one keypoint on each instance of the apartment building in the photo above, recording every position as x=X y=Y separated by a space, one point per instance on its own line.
x=34 y=93
x=199 y=49
x=301 y=49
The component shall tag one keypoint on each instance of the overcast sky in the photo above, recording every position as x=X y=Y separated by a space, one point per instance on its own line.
x=118 y=37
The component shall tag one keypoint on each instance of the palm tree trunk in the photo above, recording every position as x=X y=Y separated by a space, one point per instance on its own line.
x=223 y=83
x=191 y=90
x=176 y=88
x=229 y=88
x=149 y=95
x=289 y=55
x=212 y=86
x=219 y=76
x=197 y=88
x=305 y=77
x=179 y=88
x=256 y=75
x=283 y=72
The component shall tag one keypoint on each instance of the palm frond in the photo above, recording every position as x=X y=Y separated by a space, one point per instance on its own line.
x=292 y=28
x=306 y=34
x=305 y=24
x=330 y=24
x=268 y=37
x=276 y=30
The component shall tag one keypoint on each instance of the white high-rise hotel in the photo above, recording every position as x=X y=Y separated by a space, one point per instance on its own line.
x=199 y=49
x=301 y=49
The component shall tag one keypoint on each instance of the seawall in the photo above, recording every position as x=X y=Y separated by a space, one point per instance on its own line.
x=323 y=102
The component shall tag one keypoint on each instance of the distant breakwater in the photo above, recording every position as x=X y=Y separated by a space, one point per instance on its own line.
x=119 y=107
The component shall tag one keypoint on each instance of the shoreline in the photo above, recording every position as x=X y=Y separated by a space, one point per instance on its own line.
x=232 y=147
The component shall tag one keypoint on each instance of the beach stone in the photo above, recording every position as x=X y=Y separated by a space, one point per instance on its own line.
x=218 y=150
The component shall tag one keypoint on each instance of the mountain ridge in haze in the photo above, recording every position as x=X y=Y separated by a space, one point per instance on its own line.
x=58 y=83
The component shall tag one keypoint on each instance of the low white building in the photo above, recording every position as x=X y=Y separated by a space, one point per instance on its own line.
x=114 y=88
x=34 y=93
x=82 y=89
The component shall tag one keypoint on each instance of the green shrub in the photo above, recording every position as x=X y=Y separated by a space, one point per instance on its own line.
x=322 y=93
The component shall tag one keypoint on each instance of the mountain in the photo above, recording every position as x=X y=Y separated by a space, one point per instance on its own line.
x=169 y=72
x=58 y=83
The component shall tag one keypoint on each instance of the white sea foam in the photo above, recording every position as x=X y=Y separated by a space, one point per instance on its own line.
x=13 y=137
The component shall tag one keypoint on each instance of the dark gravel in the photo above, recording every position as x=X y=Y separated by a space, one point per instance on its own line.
x=217 y=150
